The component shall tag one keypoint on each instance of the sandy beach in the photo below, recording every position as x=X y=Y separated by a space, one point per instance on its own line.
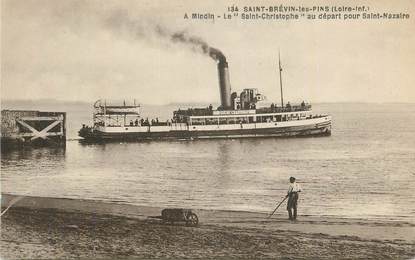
x=37 y=227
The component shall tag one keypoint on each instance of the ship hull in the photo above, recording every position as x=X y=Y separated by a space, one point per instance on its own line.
x=314 y=127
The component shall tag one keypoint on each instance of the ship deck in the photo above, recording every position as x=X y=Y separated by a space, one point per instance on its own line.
x=313 y=126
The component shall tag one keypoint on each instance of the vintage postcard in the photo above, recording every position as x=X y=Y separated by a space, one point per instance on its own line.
x=207 y=129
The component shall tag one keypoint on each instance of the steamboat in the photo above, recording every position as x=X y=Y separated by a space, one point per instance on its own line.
x=238 y=116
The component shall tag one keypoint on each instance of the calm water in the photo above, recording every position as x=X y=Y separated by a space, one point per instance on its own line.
x=366 y=169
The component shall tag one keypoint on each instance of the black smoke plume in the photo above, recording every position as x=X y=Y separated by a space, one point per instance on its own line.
x=121 y=22
x=184 y=38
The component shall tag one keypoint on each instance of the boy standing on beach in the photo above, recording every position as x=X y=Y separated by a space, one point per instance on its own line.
x=292 y=195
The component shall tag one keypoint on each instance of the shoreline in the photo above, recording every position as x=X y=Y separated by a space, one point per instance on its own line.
x=361 y=227
x=123 y=204
x=41 y=227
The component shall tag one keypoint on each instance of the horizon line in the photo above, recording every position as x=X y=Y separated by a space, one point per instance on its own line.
x=199 y=102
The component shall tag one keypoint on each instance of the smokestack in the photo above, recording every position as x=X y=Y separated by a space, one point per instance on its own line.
x=224 y=84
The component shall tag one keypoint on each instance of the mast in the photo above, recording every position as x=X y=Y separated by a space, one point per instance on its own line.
x=280 y=70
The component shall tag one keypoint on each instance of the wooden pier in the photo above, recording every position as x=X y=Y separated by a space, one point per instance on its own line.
x=32 y=128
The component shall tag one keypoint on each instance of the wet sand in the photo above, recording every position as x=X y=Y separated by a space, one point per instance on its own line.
x=65 y=228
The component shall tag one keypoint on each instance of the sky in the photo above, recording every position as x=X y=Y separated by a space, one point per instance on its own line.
x=86 y=50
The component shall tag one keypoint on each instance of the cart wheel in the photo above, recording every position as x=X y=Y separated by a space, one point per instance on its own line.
x=192 y=220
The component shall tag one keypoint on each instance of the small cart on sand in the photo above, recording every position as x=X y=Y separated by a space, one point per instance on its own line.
x=178 y=215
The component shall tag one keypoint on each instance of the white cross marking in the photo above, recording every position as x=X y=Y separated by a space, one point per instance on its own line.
x=38 y=134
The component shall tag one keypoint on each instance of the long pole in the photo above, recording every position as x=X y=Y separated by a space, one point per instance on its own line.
x=270 y=215
x=280 y=69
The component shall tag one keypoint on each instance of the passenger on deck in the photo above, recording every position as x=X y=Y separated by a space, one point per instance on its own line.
x=131 y=123
x=303 y=104
x=288 y=106
x=136 y=122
